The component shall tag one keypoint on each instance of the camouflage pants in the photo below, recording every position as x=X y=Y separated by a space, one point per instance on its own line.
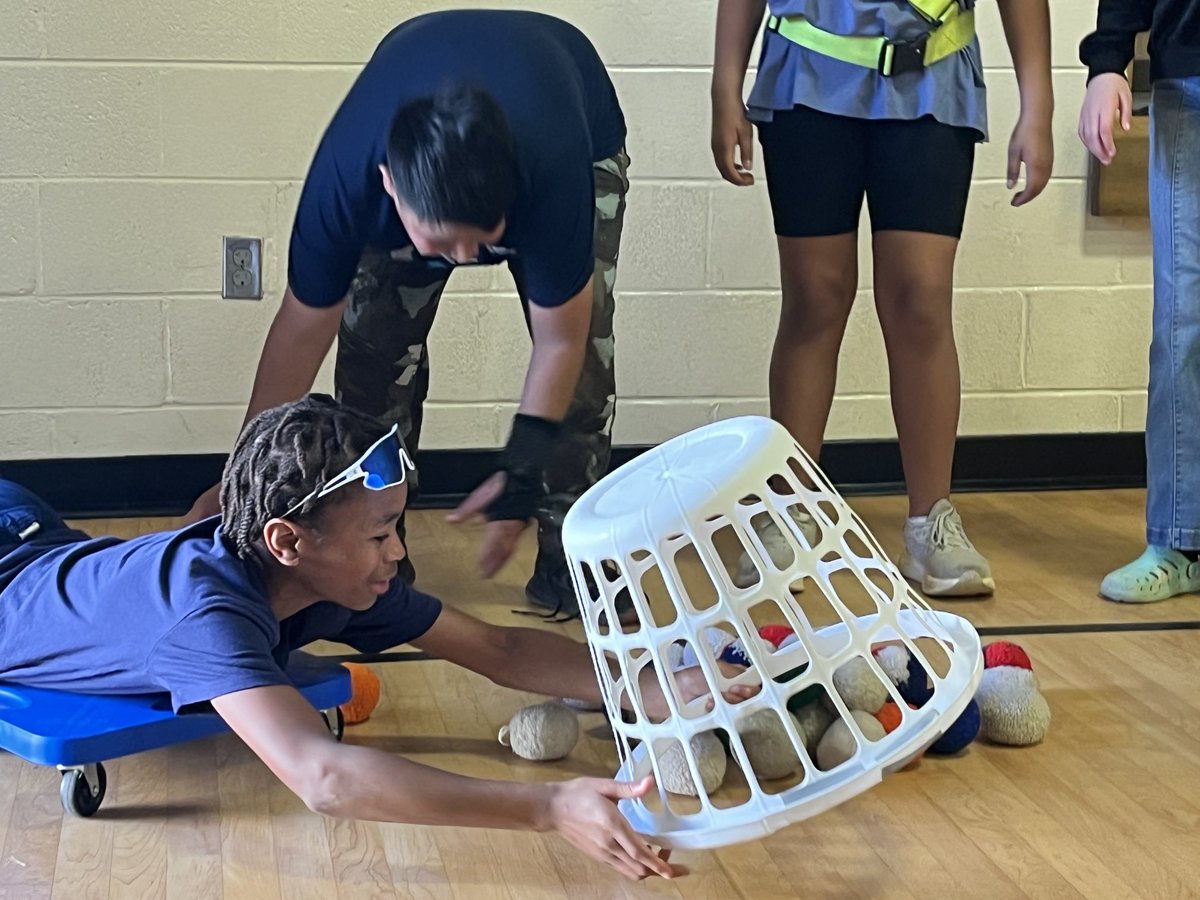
x=383 y=360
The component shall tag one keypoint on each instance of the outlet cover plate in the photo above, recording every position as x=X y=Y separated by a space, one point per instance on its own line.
x=241 y=268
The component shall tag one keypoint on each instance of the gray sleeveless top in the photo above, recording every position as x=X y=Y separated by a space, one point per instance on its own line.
x=951 y=90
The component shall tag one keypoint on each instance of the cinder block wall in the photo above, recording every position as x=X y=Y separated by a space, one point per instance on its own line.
x=134 y=135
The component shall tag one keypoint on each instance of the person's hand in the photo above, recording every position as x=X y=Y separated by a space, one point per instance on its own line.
x=732 y=141
x=207 y=504
x=693 y=684
x=584 y=811
x=1108 y=97
x=1032 y=144
x=499 y=536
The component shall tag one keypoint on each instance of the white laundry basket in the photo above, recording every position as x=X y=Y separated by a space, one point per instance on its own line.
x=665 y=531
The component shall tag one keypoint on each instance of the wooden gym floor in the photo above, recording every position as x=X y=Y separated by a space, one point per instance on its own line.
x=1107 y=807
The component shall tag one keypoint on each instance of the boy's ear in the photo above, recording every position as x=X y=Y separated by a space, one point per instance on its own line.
x=282 y=539
x=388 y=184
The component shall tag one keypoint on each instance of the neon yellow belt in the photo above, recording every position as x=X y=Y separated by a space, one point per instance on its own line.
x=951 y=29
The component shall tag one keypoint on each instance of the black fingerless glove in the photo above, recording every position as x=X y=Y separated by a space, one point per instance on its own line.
x=530 y=447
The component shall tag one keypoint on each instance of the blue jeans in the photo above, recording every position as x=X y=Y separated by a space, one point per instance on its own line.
x=1173 y=410
x=29 y=527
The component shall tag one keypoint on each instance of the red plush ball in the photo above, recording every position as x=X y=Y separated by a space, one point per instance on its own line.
x=775 y=634
x=1005 y=653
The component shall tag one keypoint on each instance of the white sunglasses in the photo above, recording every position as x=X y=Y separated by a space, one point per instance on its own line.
x=384 y=465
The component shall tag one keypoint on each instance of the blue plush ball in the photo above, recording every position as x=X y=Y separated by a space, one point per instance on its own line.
x=964 y=730
x=916 y=690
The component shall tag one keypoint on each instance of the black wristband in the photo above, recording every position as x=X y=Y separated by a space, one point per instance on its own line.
x=529 y=449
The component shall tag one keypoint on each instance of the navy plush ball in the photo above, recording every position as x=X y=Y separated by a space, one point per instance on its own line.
x=964 y=730
x=917 y=690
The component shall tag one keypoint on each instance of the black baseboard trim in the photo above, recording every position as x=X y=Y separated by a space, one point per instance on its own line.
x=166 y=485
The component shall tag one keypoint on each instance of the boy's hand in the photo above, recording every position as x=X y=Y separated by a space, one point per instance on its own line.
x=1108 y=96
x=499 y=536
x=693 y=684
x=732 y=141
x=584 y=811
x=1032 y=143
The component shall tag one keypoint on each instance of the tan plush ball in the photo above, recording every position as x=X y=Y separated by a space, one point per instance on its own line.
x=838 y=743
x=814 y=720
x=710 y=760
x=768 y=746
x=1011 y=707
x=859 y=686
x=542 y=732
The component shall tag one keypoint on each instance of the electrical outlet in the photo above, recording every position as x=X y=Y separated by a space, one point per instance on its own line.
x=241 y=268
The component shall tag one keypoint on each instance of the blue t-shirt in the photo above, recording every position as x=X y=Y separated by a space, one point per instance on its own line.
x=560 y=105
x=173 y=611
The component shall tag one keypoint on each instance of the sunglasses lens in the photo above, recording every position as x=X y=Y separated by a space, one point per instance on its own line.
x=384 y=466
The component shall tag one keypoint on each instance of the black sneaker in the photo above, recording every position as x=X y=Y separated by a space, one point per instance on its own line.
x=556 y=594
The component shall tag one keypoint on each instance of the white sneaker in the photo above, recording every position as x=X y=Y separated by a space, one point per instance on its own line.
x=940 y=557
x=777 y=547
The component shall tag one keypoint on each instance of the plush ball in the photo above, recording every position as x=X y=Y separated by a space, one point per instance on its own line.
x=710 y=761
x=775 y=634
x=1005 y=653
x=1012 y=708
x=544 y=731
x=838 y=743
x=788 y=641
x=889 y=716
x=964 y=730
x=768 y=746
x=813 y=720
x=715 y=639
x=893 y=659
x=859 y=687
x=915 y=689
x=364 y=694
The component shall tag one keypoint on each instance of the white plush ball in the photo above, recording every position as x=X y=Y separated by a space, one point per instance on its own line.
x=838 y=743
x=768 y=746
x=859 y=687
x=1011 y=707
x=710 y=761
x=893 y=659
x=545 y=731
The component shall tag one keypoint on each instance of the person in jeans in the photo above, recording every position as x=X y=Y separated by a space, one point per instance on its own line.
x=1170 y=564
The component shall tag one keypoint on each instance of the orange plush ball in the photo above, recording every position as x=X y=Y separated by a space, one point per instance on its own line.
x=364 y=696
x=889 y=716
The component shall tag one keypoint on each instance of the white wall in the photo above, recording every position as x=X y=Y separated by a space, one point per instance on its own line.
x=133 y=135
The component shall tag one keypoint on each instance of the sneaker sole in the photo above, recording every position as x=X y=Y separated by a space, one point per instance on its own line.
x=1128 y=598
x=969 y=584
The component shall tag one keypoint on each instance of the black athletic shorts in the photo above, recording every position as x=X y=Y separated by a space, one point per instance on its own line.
x=915 y=173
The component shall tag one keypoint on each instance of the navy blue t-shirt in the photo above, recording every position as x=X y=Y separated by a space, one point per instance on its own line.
x=560 y=105
x=173 y=611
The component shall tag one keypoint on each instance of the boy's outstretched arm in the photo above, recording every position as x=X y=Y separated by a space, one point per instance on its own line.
x=545 y=662
x=1027 y=29
x=346 y=781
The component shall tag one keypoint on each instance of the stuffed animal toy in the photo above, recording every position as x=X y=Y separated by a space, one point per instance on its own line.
x=542 y=732
x=710 y=760
x=1012 y=708
x=838 y=743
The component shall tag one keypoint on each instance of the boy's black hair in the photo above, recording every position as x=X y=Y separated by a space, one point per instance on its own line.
x=283 y=454
x=453 y=159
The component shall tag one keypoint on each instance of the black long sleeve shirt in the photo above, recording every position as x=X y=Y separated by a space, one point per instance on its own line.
x=1174 y=27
